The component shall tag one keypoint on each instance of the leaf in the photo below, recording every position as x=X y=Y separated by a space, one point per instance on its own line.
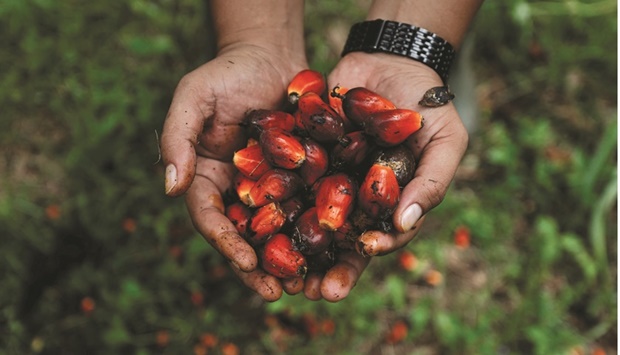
x=573 y=245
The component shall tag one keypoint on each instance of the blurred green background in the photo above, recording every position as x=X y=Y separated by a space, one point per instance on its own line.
x=520 y=258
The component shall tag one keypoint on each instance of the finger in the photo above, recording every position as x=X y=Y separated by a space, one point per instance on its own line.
x=312 y=286
x=372 y=243
x=342 y=277
x=437 y=164
x=267 y=286
x=182 y=127
x=293 y=285
x=206 y=209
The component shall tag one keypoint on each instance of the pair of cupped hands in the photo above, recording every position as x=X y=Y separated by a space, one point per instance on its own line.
x=202 y=130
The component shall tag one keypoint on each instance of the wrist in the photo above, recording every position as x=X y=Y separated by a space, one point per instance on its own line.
x=282 y=44
x=403 y=40
x=273 y=25
x=448 y=19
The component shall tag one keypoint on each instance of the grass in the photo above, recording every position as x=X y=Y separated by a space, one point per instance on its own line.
x=83 y=217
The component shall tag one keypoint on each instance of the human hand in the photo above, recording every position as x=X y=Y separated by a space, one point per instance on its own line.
x=438 y=148
x=201 y=133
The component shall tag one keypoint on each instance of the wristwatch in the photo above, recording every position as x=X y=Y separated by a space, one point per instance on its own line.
x=402 y=39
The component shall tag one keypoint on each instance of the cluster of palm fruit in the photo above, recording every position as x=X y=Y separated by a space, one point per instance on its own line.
x=311 y=180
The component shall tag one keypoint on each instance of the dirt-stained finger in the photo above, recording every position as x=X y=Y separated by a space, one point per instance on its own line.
x=267 y=286
x=374 y=242
x=206 y=210
x=312 y=286
x=341 y=278
x=184 y=123
x=293 y=285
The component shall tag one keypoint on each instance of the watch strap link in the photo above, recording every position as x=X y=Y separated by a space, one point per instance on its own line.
x=402 y=39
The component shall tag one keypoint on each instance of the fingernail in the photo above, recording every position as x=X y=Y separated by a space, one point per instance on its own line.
x=410 y=216
x=171 y=178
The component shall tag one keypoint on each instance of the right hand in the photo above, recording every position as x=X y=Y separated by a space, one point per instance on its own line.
x=201 y=133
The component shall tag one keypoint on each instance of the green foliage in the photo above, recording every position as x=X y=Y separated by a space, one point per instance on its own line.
x=86 y=87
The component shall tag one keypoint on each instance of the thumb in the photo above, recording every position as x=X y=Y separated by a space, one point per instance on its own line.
x=182 y=127
x=436 y=169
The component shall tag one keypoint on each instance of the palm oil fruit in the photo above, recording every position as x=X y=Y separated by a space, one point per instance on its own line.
x=305 y=81
x=317 y=177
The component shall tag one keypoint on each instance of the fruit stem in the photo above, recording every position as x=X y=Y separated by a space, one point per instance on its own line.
x=335 y=93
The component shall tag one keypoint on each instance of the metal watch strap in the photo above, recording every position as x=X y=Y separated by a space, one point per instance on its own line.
x=402 y=39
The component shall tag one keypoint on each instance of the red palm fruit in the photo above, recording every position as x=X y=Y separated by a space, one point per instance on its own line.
x=265 y=221
x=276 y=185
x=293 y=207
x=336 y=103
x=261 y=120
x=316 y=163
x=280 y=259
x=346 y=236
x=300 y=129
x=308 y=236
x=407 y=260
x=335 y=200
x=392 y=127
x=397 y=332
x=243 y=185
x=379 y=193
x=359 y=103
x=239 y=214
x=351 y=150
x=334 y=99
x=282 y=149
x=307 y=80
x=321 y=122
x=250 y=161
x=400 y=159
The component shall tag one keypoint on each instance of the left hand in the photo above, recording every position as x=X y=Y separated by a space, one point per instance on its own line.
x=438 y=148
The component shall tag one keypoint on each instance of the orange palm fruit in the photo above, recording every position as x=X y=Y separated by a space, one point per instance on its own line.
x=335 y=200
x=243 y=185
x=250 y=161
x=307 y=80
x=316 y=163
x=265 y=221
x=359 y=103
x=336 y=103
x=351 y=150
x=282 y=149
x=392 y=127
x=397 y=332
x=400 y=159
x=280 y=259
x=276 y=185
x=379 y=193
x=308 y=236
x=239 y=214
x=260 y=120
x=320 y=121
